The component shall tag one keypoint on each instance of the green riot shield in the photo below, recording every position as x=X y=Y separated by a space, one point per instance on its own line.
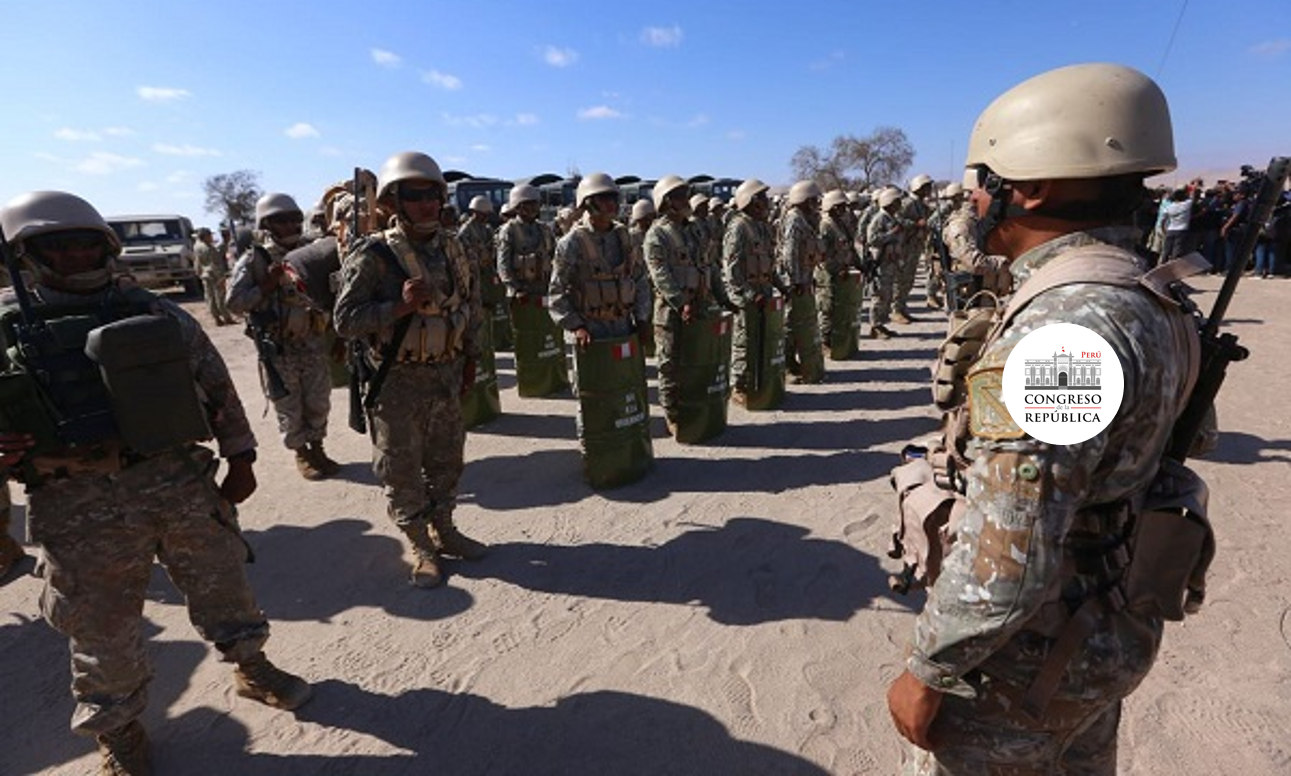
x=804 y=331
x=493 y=294
x=846 y=297
x=765 y=327
x=704 y=377
x=539 y=349
x=613 y=412
x=482 y=403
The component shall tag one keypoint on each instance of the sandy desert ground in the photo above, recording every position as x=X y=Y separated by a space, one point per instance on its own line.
x=729 y=614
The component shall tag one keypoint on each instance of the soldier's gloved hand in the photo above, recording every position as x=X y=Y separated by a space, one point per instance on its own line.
x=582 y=337
x=468 y=376
x=239 y=482
x=13 y=446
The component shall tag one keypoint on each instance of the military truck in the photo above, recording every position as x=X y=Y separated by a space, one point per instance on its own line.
x=157 y=250
x=463 y=187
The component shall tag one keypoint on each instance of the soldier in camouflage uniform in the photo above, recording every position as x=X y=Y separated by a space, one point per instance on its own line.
x=525 y=250
x=883 y=241
x=797 y=257
x=913 y=217
x=102 y=512
x=748 y=272
x=264 y=287
x=414 y=282
x=213 y=269
x=963 y=242
x=479 y=241
x=836 y=266
x=684 y=281
x=1042 y=540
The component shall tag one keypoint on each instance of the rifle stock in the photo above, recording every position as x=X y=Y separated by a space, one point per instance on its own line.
x=1219 y=350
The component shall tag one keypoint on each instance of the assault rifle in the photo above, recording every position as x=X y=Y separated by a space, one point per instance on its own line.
x=1219 y=350
x=259 y=325
x=360 y=374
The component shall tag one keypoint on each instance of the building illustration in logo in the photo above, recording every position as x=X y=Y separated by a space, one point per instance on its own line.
x=1062 y=370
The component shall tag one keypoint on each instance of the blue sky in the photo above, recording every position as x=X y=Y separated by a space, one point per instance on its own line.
x=132 y=104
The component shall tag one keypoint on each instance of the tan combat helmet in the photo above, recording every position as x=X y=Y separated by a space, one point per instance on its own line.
x=37 y=213
x=833 y=198
x=802 y=191
x=642 y=208
x=919 y=181
x=481 y=204
x=747 y=190
x=665 y=186
x=889 y=195
x=590 y=186
x=697 y=201
x=408 y=166
x=952 y=190
x=521 y=194
x=716 y=204
x=1080 y=121
x=272 y=204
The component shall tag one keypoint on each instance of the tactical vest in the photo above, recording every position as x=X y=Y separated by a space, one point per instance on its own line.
x=97 y=384
x=438 y=329
x=759 y=260
x=685 y=267
x=532 y=258
x=605 y=293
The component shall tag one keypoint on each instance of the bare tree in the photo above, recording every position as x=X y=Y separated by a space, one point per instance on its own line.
x=233 y=195
x=855 y=163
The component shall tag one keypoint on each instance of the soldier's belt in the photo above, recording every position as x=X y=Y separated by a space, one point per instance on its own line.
x=103 y=458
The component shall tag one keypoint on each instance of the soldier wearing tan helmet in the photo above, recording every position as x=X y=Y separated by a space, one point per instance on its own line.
x=692 y=389
x=411 y=295
x=838 y=278
x=1046 y=613
x=483 y=403
x=798 y=255
x=883 y=241
x=600 y=298
x=912 y=215
x=963 y=238
x=526 y=248
x=115 y=475
x=265 y=290
x=748 y=274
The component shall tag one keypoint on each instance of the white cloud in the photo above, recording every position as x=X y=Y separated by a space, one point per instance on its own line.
x=526 y=119
x=329 y=151
x=183 y=150
x=559 y=57
x=478 y=121
x=662 y=37
x=161 y=94
x=599 y=112
x=119 y=131
x=480 y=147
x=454 y=159
x=386 y=58
x=76 y=135
x=735 y=134
x=698 y=121
x=441 y=80
x=178 y=176
x=148 y=186
x=103 y=163
x=1271 y=49
x=300 y=130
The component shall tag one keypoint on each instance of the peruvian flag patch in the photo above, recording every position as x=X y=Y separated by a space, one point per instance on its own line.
x=777 y=302
x=722 y=327
x=624 y=350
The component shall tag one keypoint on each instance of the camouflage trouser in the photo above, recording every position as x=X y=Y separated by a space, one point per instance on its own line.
x=302 y=414
x=100 y=534
x=418 y=441
x=936 y=281
x=667 y=333
x=886 y=277
x=216 y=289
x=908 y=267
x=803 y=348
x=1077 y=730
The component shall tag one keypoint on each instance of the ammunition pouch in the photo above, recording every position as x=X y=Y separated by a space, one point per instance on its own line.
x=608 y=298
x=928 y=519
x=533 y=267
x=968 y=330
x=1172 y=546
x=144 y=364
x=24 y=409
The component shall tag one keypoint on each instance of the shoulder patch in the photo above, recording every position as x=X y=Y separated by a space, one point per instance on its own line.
x=989 y=418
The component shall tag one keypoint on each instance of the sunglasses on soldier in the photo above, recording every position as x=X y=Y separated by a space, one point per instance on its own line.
x=71 y=240
x=432 y=194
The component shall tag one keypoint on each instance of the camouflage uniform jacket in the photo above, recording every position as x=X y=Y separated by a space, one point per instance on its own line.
x=299 y=323
x=862 y=229
x=836 y=242
x=615 y=261
x=209 y=262
x=518 y=239
x=478 y=241
x=677 y=267
x=962 y=240
x=909 y=214
x=748 y=259
x=800 y=249
x=224 y=411
x=883 y=236
x=372 y=286
x=1026 y=500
